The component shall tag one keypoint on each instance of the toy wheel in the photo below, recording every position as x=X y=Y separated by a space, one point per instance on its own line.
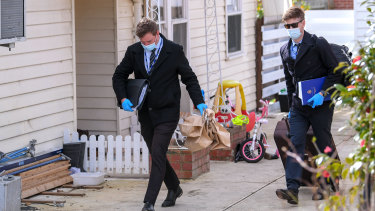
x=252 y=156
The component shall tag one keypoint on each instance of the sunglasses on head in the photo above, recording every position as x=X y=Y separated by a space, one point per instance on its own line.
x=292 y=25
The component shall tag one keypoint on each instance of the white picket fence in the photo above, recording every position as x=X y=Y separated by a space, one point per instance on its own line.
x=115 y=156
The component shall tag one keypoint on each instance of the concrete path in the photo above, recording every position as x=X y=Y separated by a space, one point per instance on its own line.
x=228 y=185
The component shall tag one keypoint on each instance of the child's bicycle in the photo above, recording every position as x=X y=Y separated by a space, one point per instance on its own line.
x=252 y=149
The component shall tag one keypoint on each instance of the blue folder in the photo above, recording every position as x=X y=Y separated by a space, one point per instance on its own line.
x=307 y=89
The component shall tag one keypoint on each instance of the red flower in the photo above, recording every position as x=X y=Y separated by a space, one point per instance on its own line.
x=363 y=142
x=325 y=174
x=356 y=59
x=327 y=150
x=350 y=87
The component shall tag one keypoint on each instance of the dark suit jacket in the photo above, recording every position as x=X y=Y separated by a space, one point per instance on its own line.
x=314 y=59
x=163 y=101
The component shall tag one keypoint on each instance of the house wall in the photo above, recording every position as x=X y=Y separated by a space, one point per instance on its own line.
x=96 y=61
x=241 y=68
x=37 y=94
x=343 y=4
x=125 y=37
x=360 y=24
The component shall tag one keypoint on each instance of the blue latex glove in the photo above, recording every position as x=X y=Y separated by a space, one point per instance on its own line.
x=201 y=107
x=127 y=105
x=289 y=115
x=316 y=100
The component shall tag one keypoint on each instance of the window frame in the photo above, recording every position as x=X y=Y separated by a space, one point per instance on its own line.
x=10 y=42
x=169 y=22
x=227 y=15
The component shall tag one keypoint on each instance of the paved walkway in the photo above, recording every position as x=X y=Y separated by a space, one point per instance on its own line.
x=228 y=185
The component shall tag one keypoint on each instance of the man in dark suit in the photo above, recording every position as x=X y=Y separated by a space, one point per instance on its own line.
x=305 y=57
x=161 y=62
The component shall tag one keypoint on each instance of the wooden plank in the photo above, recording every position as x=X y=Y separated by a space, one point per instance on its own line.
x=94 y=80
x=35 y=98
x=136 y=153
x=128 y=154
x=46 y=179
x=271 y=62
x=35 y=58
x=46 y=186
x=92 y=158
x=145 y=158
x=272 y=75
x=50 y=138
x=47 y=17
x=47 y=30
x=35 y=111
x=100 y=103
x=85 y=156
x=36 y=71
x=96 y=125
x=274 y=34
x=27 y=86
x=101 y=153
x=47 y=5
x=97 y=114
x=272 y=48
x=66 y=136
x=31 y=164
x=39 y=44
x=110 y=154
x=44 y=169
x=48 y=193
x=95 y=35
x=118 y=162
x=97 y=187
x=273 y=89
x=95 y=92
x=95 y=46
x=38 y=201
x=28 y=126
x=96 y=58
x=97 y=69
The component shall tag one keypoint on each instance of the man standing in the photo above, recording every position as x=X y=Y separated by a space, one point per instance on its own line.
x=305 y=57
x=161 y=62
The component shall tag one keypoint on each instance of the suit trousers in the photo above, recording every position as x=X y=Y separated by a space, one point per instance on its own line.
x=320 y=118
x=157 y=139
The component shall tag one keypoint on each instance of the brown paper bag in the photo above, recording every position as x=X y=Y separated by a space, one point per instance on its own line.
x=195 y=129
x=192 y=126
x=219 y=135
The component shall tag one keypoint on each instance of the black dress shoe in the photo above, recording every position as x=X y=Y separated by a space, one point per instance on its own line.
x=148 y=207
x=171 y=197
x=288 y=194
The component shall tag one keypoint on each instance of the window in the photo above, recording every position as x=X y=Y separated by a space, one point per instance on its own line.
x=174 y=21
x=234 y=27
x=12 y=22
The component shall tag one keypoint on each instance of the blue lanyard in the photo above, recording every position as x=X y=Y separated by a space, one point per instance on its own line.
x=149 y=67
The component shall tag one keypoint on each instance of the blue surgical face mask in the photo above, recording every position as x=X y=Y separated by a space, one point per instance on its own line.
x=149 y=47
x=294 y=33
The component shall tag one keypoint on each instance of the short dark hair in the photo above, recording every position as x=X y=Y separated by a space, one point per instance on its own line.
x=145 y=26
x=293 y=12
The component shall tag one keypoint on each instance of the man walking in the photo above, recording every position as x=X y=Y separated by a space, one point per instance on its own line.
x=161 y=62
x=305 y=57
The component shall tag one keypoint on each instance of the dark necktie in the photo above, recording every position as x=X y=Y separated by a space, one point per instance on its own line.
x=152 y=56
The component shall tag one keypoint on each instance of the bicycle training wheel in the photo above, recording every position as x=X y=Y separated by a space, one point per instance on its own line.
x=252 y=156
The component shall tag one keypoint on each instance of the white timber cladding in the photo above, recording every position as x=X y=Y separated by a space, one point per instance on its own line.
x=96 y=61
x=125 y=37
x=37 y=79
x=241 y=68
x=361 y=16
